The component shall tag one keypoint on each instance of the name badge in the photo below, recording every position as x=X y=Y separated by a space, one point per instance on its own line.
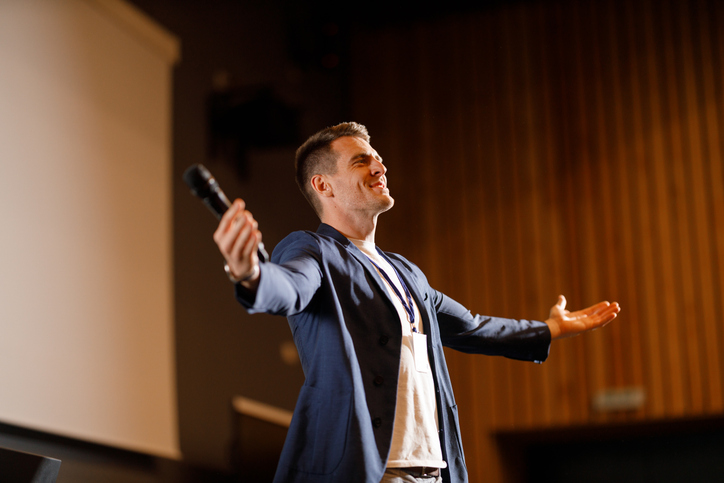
x=419 y=348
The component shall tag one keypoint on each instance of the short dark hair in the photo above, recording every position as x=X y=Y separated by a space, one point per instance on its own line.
x=315 y=156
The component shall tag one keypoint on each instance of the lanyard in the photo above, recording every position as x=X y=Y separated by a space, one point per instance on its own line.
x=407 y=304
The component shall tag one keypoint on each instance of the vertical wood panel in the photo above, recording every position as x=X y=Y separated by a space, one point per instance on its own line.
x=623 y=188
x=682 y=366
x=572 y=148
x=605 y=179
x=644 y=234
x=660 y=194
x=595 y=360
x=702 y=256
x=540 y=403
x=551 y=186
x=569 y=152
x=712 y=129
x=514 y=218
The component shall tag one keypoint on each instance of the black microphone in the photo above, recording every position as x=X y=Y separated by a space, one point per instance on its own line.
x=204 y=186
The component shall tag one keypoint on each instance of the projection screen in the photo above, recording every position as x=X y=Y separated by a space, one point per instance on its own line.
x=86 y=321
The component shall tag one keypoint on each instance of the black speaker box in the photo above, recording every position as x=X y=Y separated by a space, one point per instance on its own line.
x=20 y=467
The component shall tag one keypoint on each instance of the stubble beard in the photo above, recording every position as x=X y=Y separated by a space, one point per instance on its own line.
x=386 y=204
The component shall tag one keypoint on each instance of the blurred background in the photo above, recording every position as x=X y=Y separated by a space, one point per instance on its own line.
x=534 y=148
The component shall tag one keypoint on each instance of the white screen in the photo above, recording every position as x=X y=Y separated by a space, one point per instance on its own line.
x=86 y=321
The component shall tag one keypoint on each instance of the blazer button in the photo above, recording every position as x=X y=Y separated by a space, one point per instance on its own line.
x=384 y=339
x=379 y=380
x=377 y=422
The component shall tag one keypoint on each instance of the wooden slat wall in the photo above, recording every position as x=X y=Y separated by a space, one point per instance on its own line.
x=569 y=148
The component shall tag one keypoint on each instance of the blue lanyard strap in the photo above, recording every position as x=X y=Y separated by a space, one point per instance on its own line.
x=409 y=308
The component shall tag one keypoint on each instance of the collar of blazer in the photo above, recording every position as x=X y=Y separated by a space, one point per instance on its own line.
x=327 y=230
x=404 y=272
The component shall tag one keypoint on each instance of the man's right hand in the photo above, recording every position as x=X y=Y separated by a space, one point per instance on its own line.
x=238 y=240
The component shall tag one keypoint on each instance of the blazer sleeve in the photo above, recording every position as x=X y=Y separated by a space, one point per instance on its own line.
x=289 y=281
x=527 y=340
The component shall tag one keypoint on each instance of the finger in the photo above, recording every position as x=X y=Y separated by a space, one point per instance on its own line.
x=233 y=236
x=592 y=310
x=560 y=306
x=248 y=258
x=609 y=315
x=250 y=249
x=227 y=218
x=602 y=319
x=612 y=309
x=556 y=312
x=562 y=302
x=228 y=238
x=236 y=208
x=246 y=225
x=605 y=321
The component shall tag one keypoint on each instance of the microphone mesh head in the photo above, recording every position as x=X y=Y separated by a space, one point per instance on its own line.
x=199 y=179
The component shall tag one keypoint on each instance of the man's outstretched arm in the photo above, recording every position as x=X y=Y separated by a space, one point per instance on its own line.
x=563 y=323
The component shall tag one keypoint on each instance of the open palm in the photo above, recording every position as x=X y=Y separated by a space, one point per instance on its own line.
x=563 y=323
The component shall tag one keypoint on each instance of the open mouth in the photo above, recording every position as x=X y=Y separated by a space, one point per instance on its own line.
x=379 y=184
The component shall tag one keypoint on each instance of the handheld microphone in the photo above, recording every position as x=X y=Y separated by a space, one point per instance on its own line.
x=204 y=186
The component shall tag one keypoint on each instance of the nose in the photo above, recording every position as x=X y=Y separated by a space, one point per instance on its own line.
x=377 y=168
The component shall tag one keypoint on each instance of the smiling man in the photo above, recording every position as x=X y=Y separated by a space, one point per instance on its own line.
x=377 y=404
x=354 y=192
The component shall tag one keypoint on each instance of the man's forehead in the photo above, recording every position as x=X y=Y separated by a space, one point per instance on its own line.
x=351 y=146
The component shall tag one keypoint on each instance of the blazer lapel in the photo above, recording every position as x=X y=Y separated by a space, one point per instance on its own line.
x=413 y=288
x=352 y=249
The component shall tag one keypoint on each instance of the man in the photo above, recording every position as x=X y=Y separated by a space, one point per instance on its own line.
x=377 y=403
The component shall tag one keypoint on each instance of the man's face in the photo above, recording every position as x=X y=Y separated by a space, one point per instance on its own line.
x=360 y=183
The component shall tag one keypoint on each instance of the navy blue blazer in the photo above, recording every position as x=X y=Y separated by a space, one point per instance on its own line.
x=348 y=335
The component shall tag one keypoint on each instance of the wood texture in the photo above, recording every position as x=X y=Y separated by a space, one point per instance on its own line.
x=562 y=148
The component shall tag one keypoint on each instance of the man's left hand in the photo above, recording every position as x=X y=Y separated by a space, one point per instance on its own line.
x=563 y=323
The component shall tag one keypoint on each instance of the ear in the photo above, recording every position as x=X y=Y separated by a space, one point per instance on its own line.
x=320 y=184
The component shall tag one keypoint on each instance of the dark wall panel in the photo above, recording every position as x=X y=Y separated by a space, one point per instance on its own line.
x=561 y=147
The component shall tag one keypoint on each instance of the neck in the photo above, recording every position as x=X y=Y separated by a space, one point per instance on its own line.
x=357 y=227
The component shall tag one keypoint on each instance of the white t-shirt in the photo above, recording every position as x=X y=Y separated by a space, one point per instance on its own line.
x=415 y=440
